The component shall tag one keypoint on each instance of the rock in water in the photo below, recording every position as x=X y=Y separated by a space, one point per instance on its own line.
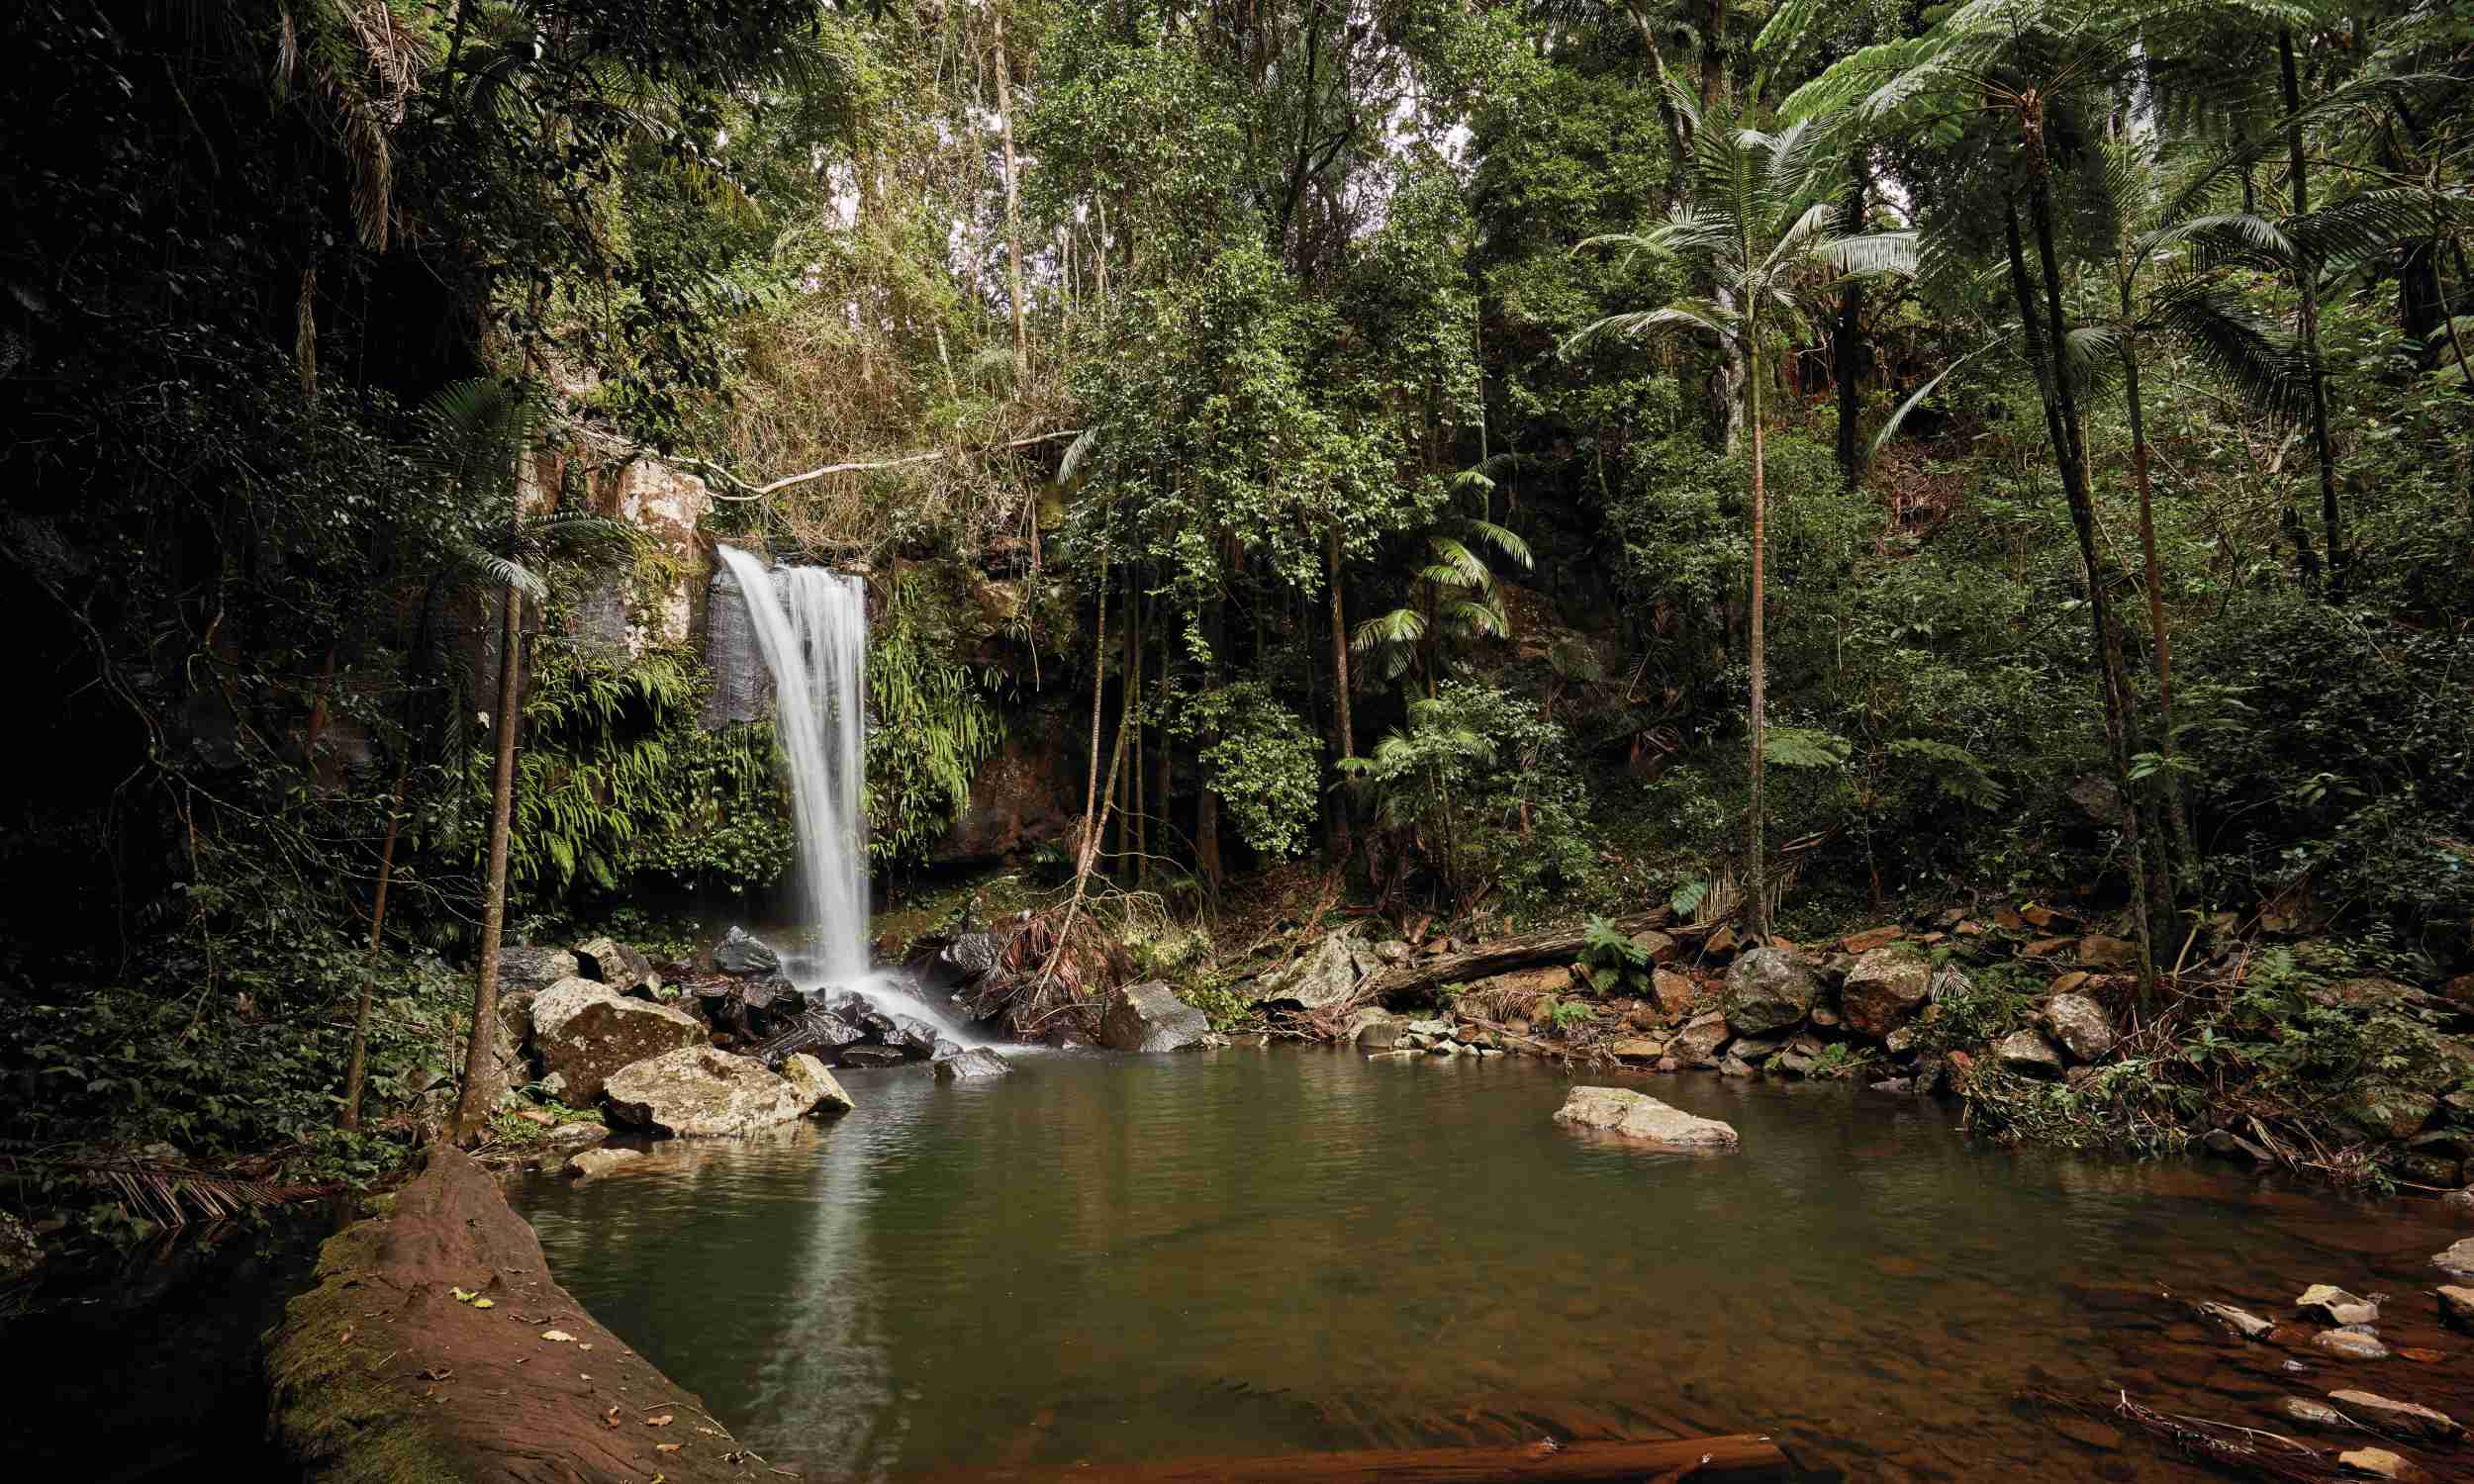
x=586 y=1031
x=1884 y=989
x=2458 y=1261
x=1770 y=989
x=2456 y=1306
x=527 y=967
x=600 y=1162
x=2311 y=1414
x=2029 y=1054
x=573 y=1134
x=697 y=1093
x=2348 y=1344
x=970 y=1065
x=2404 y=1419
x=739 y=952
x=1149 y=1017
x=2339 y=1307
x=824 y=1094
x=2080 y=1025
x=2240 y=1320
x=2380 y=1463
x=1637 y=1115
x=619 y=966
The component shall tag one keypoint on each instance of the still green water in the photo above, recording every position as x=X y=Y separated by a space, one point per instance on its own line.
x=1258 y=1251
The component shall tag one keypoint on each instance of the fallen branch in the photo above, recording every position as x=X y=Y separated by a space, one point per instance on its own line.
x=1557 y=945
x=871 y=466
x=1741 y=1455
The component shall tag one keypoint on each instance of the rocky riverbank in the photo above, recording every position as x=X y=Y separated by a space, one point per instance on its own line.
x=2275 y=1051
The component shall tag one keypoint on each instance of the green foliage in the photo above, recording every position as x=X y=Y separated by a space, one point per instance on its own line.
x=933 y=723
x=1479 y=790
x=1262 y=763
x=1615 y=964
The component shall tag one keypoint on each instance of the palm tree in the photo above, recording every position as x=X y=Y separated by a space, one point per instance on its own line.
x=1454 y=590
x=478 y=435
x=2024 y=66
x=2191 y=308
x=1762 y=225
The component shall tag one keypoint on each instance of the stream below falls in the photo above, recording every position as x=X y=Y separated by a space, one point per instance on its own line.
x=1258 y=1251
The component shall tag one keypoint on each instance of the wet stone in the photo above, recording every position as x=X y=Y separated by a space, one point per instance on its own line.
x=2347 y=1344
x=2337 y=1306
x=2405 y=1419
x=2380 y=1463
x=2311 y=1414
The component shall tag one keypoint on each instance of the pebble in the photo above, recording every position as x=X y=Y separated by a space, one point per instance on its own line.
x=2347 y=1344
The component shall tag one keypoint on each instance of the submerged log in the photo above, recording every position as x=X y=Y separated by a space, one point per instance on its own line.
x=1504 y=955
x=1736 y=1456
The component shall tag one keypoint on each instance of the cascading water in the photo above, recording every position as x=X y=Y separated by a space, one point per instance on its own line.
x=811 y=626
x=813 y=629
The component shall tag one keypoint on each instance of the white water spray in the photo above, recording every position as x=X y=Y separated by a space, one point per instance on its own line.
x=811 y=626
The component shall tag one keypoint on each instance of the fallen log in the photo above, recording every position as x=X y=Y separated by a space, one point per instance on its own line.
x=437 y=1347
x=1735 y=1455
x=1553 y=945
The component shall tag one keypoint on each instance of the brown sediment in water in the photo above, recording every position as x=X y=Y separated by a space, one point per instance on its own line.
x=381 y=1373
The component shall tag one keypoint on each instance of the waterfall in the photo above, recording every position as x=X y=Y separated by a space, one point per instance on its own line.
x=811 y=626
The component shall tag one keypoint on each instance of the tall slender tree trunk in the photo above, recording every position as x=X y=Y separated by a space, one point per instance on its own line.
x=472 y=1107
x=1339 y=645
x=1087 y=844
x=2044 y=328
x=1848 y=350
x=2185 y=845
x=2306 y=285
x=1206 y=797
x=1755 y=882
x=1014 y=202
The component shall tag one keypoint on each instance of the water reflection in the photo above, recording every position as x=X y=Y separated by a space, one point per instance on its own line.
x=1251 y=1251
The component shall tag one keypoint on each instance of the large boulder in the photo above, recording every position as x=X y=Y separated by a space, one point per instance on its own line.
x=1884 y=989
x=1696 y=1045
x=619 y=966
x=1770 y=989
x=971 y=1065
x=1149 y=1017
x=818 y=1086
x=697 y=1092
x=2081 y=1025
x=2385 y=1111
x=1322 y=979
x=2029 y=1054
x=739 y=952
x=1637 y=1115
x=966 y=960
x=524 y=967
x=584 y=1031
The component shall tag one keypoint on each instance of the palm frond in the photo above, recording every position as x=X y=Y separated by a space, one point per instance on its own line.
x=1455 y=565
x=1889 y=429
x=1501 y=538
x=1399 y=627
x=2233 y=342
x=1893 y=252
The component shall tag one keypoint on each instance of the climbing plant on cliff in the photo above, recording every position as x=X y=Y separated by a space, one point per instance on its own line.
x=933 y=722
